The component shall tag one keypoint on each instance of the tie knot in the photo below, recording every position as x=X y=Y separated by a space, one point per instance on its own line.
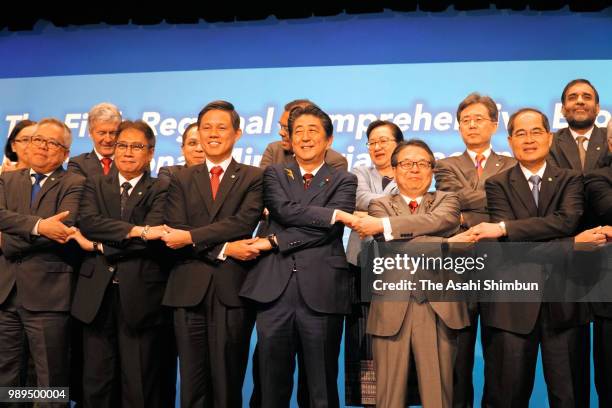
x=307 y=177
x=413 y=204
x=479 y=158
x=535 y=180
x=126 y=186
x=106 y=161
x=216 y=171
x=38 y=177
x=581 y=139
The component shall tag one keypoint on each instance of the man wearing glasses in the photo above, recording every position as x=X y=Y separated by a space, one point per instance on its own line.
x=466 y=175
x=40 y=204
x=103 y=121
x=281 y=152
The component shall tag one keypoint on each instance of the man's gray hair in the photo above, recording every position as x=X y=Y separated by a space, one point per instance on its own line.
x=58 y=123
x=103 y=112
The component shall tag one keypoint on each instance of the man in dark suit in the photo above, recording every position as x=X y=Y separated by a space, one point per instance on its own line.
x=281 y=152
x=213 y=209
x=582 y=144
x=122 y=280
x=36 y=285
x=102 y=122
x=466 y=175
x=301 y=285
x=193 y=152
x=534 y=201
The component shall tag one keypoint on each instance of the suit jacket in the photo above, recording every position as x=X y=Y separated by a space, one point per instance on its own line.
x=275 y=154
x=41 y=269
x=564 y=150
x=437 y=216
x=598 y=186
x=138 y=265
x=233 y=215
x=369 y=187
x=308 y=242
x=557 y=216
x=88 y=165
x=458 y=174
x=165 y=173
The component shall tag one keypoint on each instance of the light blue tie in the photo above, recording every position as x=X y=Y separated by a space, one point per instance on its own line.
x=535 y=190
x=36 y=187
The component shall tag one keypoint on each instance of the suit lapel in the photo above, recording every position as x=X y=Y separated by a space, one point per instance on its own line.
x=24 y=191
x=492 y=166
x=398 y=205
x=51 y=183
x=467 y=167
x=597 y=144
x=231 y=176
x=548 y=188
x=521 y=188
x=202 y=182
x=294 y=179
x=569 y=149
x=318 y=184
x=111 y=192
x=426 y=203
x=137 y=195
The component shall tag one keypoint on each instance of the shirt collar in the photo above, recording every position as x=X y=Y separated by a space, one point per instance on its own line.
x=313 y=172
x=224 y=164
x=527 y=173
x=587 y=134
x=133 y=181
x=408 y=199
x=100 y=157
x=473 y=154
x=32 y=173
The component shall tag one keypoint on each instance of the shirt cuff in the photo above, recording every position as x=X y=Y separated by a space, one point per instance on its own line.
x=35 y=229
x=387 y=229
x=333 y=220
x=221 y=255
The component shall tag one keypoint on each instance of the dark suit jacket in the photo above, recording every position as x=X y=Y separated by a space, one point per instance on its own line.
x=138 y=265
x=307 y=241
x=41 y=269
x=564 y=150
x=275 y=154
x=509 y=199
x=165 y=173
x=88 y=165
x=598 y=185
x=233 y=215
x=458 y=174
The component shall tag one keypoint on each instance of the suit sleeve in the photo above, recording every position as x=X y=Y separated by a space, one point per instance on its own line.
x=560 y=224
x=336 y=160
x=599 y=194
x=75 y=167
x=441 y=221
x=12 y=222
x=305 y=236
x=164 y=174
x=13 y=245
x=266 y=159
x=448 y=180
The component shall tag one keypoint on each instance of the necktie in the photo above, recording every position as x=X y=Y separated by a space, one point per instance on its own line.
x=581 y=151
x=215 y=179
x=125 y=194
x=535 y=191
x=479 y=169
x=307 y=180
x=36 y=187
x=413 y=206
x=106 y=163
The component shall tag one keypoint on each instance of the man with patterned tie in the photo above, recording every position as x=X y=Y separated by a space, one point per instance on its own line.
x=534 y=201
x=213 y=209
x=102 y=123
x=582 y=144
x=301 y=284
x=36 y=285
x=466 y=175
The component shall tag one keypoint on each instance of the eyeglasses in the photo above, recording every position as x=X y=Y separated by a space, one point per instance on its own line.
x=23 y=140
x=535 y=133
x=48 y=143
x=409 y=164
x=478 y=121
x=381 y=142
x=136 y=147
x=283 y=127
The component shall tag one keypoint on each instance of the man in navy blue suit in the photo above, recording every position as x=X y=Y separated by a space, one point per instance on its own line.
x=301 y=284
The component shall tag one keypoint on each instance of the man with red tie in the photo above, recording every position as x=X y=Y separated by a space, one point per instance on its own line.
x=213 y=209
x=103 y=122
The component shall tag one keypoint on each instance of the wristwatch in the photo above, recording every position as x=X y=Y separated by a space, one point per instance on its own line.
x=96 y=246
x=502 y=226
x=272 y=240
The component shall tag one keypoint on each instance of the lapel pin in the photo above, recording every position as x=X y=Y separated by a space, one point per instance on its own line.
x=233 y=176
x=53 y=179
x=598 y=148
x=496 y=164
x=140 y=193
x=550 y=179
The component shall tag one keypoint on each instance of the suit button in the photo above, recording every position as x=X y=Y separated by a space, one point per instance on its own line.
x=111 y=269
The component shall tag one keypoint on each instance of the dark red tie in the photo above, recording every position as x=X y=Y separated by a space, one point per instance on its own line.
x=307 y=180
x=106 y=162
x=413 y=206
x=214 y=180
x=479 y=169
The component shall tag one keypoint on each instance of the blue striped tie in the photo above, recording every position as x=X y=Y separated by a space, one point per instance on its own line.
x=36 y=187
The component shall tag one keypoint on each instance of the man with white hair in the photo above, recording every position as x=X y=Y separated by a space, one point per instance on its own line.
x=36 y=284
x=103 y=121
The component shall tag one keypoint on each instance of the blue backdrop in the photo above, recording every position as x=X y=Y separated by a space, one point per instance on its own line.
x=412 y=68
